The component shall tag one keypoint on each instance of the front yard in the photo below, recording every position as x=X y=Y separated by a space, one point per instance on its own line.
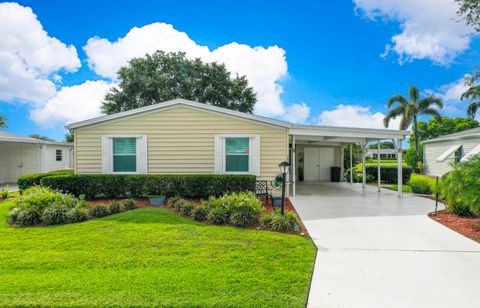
x=153 y=257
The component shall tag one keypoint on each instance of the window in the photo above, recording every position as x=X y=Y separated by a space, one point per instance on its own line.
x=237 y=154
x=458 y=154
x=58 y=155
x=124 y=154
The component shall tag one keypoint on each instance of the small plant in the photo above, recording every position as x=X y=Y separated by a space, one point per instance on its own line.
x=114 y=207
x=266 y=220
x=186 y=208
x=77 y=214
x=98 y=210
x=27 y=217
x=200 y=213
x=218 y=215
x=275 y=221
x=13 y=215
x=129 y=204
x=172 y=201
x=5 y=193
x=56 y=214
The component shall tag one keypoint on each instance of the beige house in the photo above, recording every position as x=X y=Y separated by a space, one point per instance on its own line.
x=182 y=136
x=440 y=153
x=21 y=155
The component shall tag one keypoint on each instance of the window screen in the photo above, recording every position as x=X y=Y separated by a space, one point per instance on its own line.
x=237 y=152
x=124 y=154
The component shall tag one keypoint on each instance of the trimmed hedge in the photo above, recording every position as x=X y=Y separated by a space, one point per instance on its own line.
x=29 y=180
x=128 y=186
x=388 y=174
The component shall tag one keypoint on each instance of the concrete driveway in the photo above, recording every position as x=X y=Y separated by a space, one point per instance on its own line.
x=378 y=250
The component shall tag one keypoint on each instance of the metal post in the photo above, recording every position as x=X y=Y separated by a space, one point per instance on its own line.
x=294 y=166
x=436 y=195
x=364 y=171
x=342 y=158
x=283 y=192
x=351 y=165
x=378 y=164
x=400 y=167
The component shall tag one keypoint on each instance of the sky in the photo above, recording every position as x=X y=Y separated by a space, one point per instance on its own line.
x=314 y=62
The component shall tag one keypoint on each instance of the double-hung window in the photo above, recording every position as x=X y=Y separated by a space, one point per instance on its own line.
x=124 y=154
x=58 y=155
x=237 y=154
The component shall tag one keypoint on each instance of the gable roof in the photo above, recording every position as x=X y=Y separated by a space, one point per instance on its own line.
x=6 y=136
x=470 y=133
x=175 y=102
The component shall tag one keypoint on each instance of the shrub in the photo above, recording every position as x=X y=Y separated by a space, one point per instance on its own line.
x=422 y=184
x=114 y=207
x=244 y=209
x=460 y=187
x=129 y=204
x=28 y=217
x=122 y=185
x=55 y=214
x=5 y=193
x=98 y=210
x=218 y=215
x=29 y=180
x=77 y=214
x=266 y=219
x=283 y=223
x=13 y=215
x=388 y=173
x=200 y=213
x=186 y=208
x=172 y=201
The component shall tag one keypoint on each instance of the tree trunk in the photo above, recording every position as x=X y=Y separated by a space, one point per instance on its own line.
x=415 y=136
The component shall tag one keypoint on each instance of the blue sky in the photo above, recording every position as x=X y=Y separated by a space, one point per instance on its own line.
x=335 y=62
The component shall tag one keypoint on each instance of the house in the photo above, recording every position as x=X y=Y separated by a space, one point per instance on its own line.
x=440 y=153
x=21 y=155
x=182 y=136
x=384 y=153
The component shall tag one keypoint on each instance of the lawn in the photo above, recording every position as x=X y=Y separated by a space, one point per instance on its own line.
x=151 y=257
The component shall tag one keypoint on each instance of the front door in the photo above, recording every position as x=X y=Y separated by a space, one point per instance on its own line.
x=317 y=163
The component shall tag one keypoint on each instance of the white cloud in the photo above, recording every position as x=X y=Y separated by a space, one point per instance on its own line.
x=355 y=116
x=450 y=94
x=297 y=113
x=430 y=29
x=28 y=56
x=73 y=103
x=264 y=67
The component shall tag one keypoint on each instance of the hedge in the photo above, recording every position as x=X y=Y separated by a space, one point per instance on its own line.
x=388 y=174
x=29 y=180
x=125 y=186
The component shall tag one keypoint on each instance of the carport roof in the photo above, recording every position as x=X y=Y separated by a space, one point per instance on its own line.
x=9 y=137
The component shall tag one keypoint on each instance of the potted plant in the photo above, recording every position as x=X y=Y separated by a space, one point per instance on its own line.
x=157 y=200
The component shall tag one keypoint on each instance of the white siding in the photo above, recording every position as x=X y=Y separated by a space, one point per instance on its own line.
x=433 y=150
x=51 y=163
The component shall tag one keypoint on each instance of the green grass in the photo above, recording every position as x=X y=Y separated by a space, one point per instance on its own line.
x=151 y=257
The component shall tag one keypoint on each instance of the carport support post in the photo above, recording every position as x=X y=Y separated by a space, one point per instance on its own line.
x=378 y=164
x=294 y=166
x=364 y=170
x=351 y=164
x=400 y=167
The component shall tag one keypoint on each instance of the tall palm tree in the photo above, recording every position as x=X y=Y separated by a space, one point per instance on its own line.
x=411 y=109
x=472 y=94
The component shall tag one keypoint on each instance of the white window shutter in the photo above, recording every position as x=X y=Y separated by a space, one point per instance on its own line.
x=255 y=155
x=218 y=154
x=106 y=154
x=142 y=155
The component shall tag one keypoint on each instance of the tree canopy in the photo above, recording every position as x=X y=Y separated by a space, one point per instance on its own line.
x=40 y=137
x=3 y=121
x=434 y=128
x=470 y=10
x=165 y=76
x=383 y=145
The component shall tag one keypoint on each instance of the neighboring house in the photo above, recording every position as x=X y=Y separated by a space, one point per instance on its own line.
x=182 y=136
x=384 y=153
x=440 y=153
x=24 y=155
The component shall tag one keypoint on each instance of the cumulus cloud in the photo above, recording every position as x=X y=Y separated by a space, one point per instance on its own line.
x=72 y=103
x=28 y=56
x=450 y=94
x=264 y=67
x=355 y=116
x=430 y=29
x=297 y=113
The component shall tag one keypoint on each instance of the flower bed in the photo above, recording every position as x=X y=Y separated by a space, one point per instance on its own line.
x=467 y=226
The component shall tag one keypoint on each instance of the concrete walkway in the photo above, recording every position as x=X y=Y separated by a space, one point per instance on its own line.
x=378 y=250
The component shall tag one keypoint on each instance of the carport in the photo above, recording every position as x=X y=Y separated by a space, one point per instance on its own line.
x=315 y=149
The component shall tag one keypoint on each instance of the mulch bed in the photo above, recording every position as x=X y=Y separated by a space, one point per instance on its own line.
x=143 y=203
x=467 y=226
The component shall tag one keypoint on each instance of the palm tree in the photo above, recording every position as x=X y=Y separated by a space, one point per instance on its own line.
x=472 y=94
x=411 y=109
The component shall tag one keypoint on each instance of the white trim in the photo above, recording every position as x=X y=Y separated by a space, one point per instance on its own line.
x=473 y=152
x=448 y=152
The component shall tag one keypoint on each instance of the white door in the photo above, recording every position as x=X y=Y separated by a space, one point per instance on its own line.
x=17 y=159
x=317 y=163
x=311 y=164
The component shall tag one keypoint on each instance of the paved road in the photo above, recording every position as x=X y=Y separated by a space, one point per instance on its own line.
x=378 y=250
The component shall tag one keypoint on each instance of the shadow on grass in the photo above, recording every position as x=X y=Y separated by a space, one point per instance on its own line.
x=150 y=216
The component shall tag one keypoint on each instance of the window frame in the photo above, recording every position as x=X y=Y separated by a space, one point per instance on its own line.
x=249 y=155
x=141 y=153
x=57 y=151
x=113 y=156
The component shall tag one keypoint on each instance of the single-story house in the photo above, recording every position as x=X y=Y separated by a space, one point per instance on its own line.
x=384 y=153
x=182 y=136
x=21 y=155
x=440 y=153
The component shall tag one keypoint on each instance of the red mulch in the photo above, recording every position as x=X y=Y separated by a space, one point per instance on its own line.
x=467 y=226
x=143 y=203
